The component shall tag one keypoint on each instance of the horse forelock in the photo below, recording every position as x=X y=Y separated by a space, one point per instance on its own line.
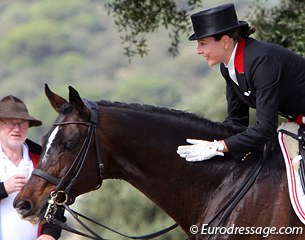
x=180 y=117
x=66 y=108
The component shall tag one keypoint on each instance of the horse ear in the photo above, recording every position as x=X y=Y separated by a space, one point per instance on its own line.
x=75 y=100
x=55 y=100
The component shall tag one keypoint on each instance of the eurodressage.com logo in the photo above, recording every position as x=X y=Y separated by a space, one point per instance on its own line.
x=234 y=230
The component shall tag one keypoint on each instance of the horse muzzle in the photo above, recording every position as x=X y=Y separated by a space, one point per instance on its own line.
x=25 y=210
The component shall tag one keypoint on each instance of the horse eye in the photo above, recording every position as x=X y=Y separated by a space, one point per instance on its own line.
x=68 y=146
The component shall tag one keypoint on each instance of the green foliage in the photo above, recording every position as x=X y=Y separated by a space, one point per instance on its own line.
x=65 y=65
x=71 y=13
x=282 y=24
x=138 y=17
x=34 y=41
x=127 y=210
x=210 y=99
x=72 y=43
x=149 y=90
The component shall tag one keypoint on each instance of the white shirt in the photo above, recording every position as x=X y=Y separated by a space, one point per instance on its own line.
x=231 y=67
x=12 y=227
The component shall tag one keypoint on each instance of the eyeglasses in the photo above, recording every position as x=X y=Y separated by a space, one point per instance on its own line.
x=11 y=125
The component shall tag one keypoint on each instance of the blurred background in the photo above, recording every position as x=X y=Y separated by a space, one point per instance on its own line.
x=76 y=42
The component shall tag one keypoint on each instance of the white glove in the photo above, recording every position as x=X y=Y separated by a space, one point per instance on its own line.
x=199 y=151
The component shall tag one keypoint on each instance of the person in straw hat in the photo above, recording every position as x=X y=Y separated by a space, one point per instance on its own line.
x=18 y=157
x=259 y=75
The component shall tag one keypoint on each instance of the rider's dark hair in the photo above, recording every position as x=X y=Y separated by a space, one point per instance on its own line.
x=237 y=33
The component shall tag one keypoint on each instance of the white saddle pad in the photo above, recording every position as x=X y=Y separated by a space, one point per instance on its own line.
x=292 y=158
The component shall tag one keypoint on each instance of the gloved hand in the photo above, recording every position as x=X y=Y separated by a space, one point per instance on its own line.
x=199 y=151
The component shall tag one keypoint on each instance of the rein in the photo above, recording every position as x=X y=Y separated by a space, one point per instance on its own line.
x=231 y=204
x=61 y=196
x=76 y=216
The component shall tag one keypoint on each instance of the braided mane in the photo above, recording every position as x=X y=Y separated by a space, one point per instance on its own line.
x=181 y=117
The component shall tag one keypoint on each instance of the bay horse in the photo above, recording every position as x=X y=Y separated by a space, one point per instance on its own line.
x=137 y=143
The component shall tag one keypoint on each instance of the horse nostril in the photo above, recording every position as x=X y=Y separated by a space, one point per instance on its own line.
x=23 y=207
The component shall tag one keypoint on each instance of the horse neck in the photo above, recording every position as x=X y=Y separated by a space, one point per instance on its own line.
x=141 y=150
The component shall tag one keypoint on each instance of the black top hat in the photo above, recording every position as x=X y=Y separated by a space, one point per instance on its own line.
x=214 y=21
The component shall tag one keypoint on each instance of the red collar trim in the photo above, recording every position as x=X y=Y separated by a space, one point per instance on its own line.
x=239 y=57
x=35 y=158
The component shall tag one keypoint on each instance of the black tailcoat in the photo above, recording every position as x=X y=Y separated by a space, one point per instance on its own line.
x=272 y=81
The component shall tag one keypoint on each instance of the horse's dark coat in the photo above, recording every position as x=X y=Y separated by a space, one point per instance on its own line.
x=138 y=144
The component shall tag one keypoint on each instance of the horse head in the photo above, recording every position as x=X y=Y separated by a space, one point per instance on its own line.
x=65 y=148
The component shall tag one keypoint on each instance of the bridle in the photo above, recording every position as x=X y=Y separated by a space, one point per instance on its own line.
x=61 y=196
x=65 y=184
